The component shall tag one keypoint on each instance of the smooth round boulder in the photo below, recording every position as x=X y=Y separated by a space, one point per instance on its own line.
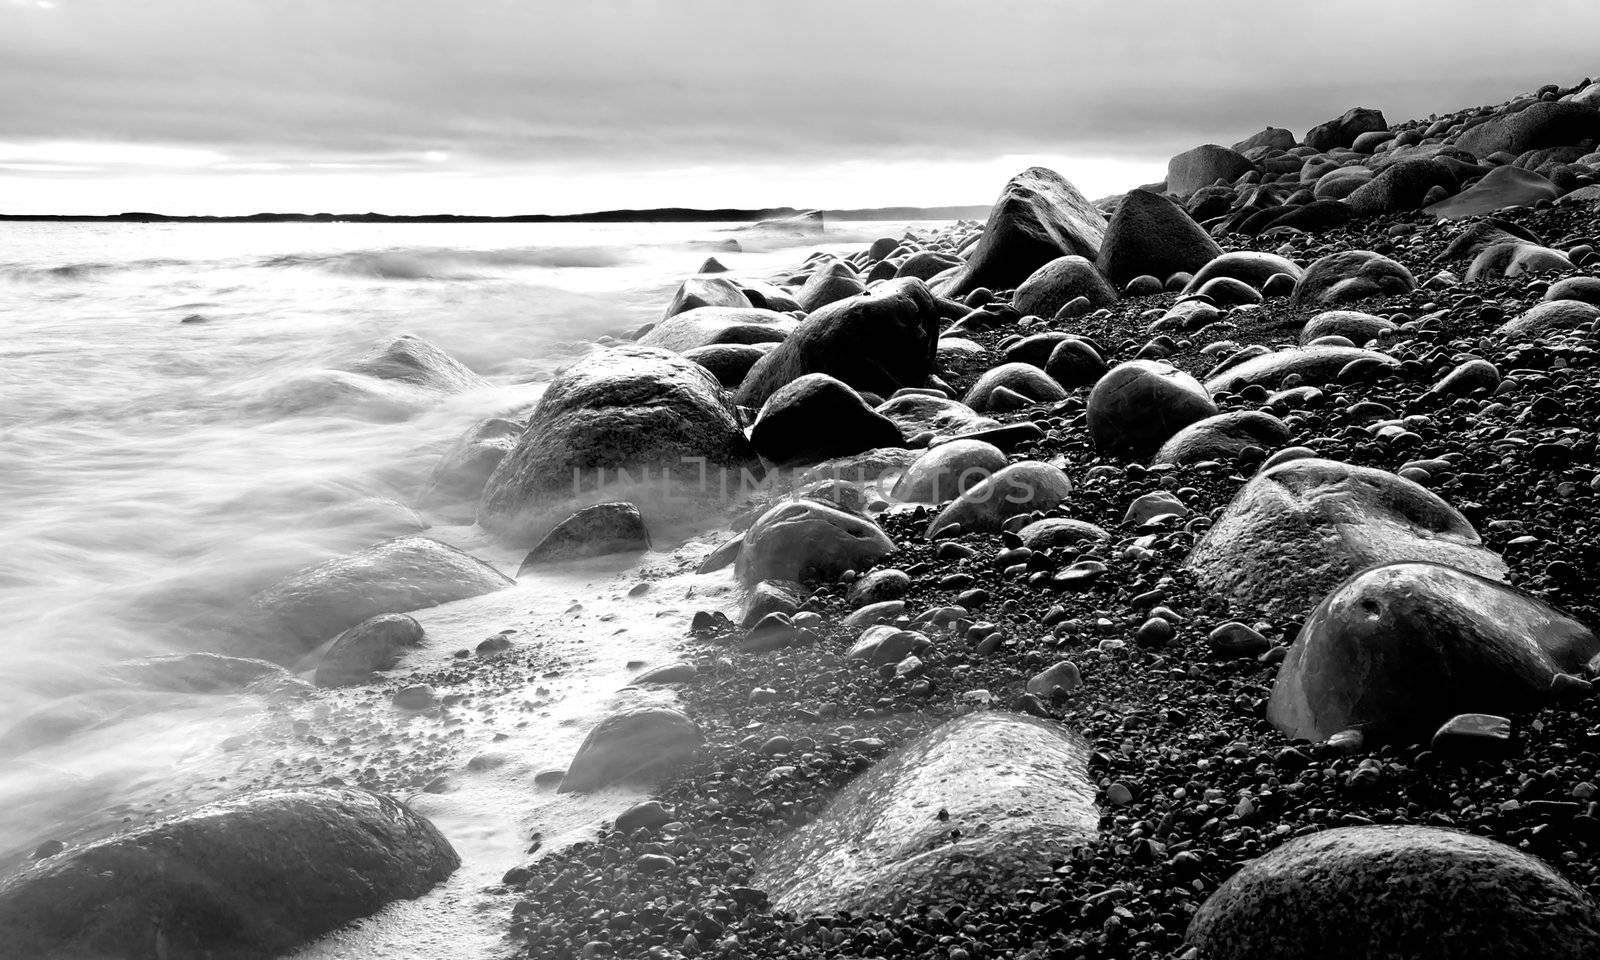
x=1228 y=292
x=817 y=417
x=632 y=744
x=947 y=471
x=1402 y=186
x=1355 y=326
x=1314 y=365
x=594 y=531
x=1553 y=318
x=1223 y=438
x=729 y=363
x=1139 y=405
x=1543 y=124
x=878 y=342
x=1203 y=166
x=710 y=326
x=1326 y=520
x=249 y=878
x=371 y=646
x=927 y=264
x=923 y=413
x=1348 y=276
x=1060 y=532
x=1015 y=490
x=1397 y=650
x=1024 y=379
x=1150 y=234
x=878 y=846
x=1381 y=892
x=804 y=541
x=1074 y=363
x=1060 y=282
x=1585 y=289
x=829 y=284
x=632 y=424
x=1249 y=266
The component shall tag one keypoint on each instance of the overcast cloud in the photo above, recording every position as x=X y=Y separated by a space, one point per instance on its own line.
x=495 y=106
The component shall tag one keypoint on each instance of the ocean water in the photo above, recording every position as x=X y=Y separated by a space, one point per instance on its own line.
x=181 y=425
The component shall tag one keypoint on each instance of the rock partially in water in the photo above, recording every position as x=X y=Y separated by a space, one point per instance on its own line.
x=632 y=744
x=1396 y=650
x=982 y=802
x=205 y=673
x=705 y=291
x=369 y=647
x=415 y=361
x=1381 y=892
x=1326 y=520
x=594 y=531
x=802 y=540
x=411 y=573
x=244 y=879
x=466 y=466
x=710 y=326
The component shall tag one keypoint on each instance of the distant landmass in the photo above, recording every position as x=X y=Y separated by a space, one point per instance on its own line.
x=656 y=215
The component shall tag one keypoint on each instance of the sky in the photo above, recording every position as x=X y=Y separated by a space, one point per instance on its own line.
x=525 y=106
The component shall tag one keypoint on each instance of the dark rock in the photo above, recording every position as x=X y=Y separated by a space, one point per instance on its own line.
x=1140 y=404
x=1038 y=217
x=1018 y=489
x=249 y=878
x=1150 y=234
x=1059 y=282
x=878 y=587
x=829 y=284
x=1473 y=736
x=1325 y=520
x=1203 y=166
x=648 y=815
x=730 y=363
x=632 y=744
x=596 y=531
x=371 y=646
x=1400 y=187
x=816 y=417
x=705 y=291
x=1540 y=125
x=926 y=264
x=881 y=341
x=803 y=540
x=1378 y=892
x=399 y=576
x=1064 y=676
x=1342 y=132
x=1074 y=363
x=1398 y=649
x=1500 y=188
x=1234 y=640
x=1480 y=235
x=1276 y=138
x=630 y=423
x=1342 y=278
x=919 y=413
x=1514 y=260
x=878 y=846
x=881 y=645
x=1585 y=289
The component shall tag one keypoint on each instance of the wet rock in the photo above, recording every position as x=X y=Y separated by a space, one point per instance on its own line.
x=1586 y=289
x=1349 y=276
x=248 y=878
x=1152 y=505
x=1500 y=188
x=873 y=614
x=1038 y=217
x=1480 y=235
x=1060 y=532
x=1398 y=649
x=1473 y=736
x=927 y=264
x=1553 y=318
x=772 y=596
x=678 y=672
x=466 y=466
x=630 y=423
x=1064 y=677
x=1248 y=266
x=1514 y=260
x=411 y=573
x=705 y=291
x=1025 y=380
x=1354 y=325
x=815 y=418
x=415 y=361
x=803 y=540
x=416 y=696
x=1141 y=404
x=729 y=363
x=1235 y=640
x=205 y=673
x=1223 y=437
x=1203 y=166
x=879 y=586
x=829 y=284
x=1343 y=131
x=1314 y=365
x=596 y=531
x=1059 y=282
x=1471 y=376
x=948 y=470
x=1018 y=489
x=1150 y=234
x=1370 y=892
x=1403 y=186
x=632 y=744
x=920 y=413
x=880 y=645
x=369 y=647
x=1074 y=363
x=649 y=815
x=1552 y=124
x=1274 y=137
x=937 y=815
x=1326 y=520
x=878 y=342
x=718 y=326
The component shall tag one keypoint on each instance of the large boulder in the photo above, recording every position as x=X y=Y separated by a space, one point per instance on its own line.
x=1246 y=266
x=1343 y=278
x=1038 y=217
x=1326 y=520
x=1480 y=235
x=1151 y=235
x=1204 y=166
x=1276 y=138
x=880 y=341
x=1552 y=318
x=1397 y=650
x=1138 y=405
x=948 y=470
x=1353 y=325
x=1342 y=131
x=705 y=291
x=1384 y=892
x=1544 y=124
x=244 y=879
x=202 y=674
x=729 y=363
x=594 y=531
x=630 y=423
x=706 y=326
x=803 y=540
x=916 y=413
x=1500 y=188
x=827 y=284
x=370 y=647
x=1059 y=282
x=399 y=576
x=1315 y=365
x=817 y=417
x=634 y=743
x=1401 y=187
x=1018 y=489
x=415 y=361
x=1012 y=795
x=463 y=469
x=1223 y=437
x=1023 y=380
